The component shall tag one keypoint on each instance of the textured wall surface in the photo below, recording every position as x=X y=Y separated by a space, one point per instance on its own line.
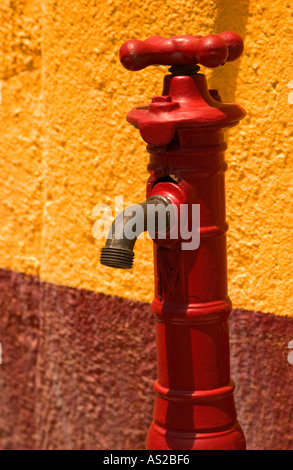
x=66 y=322
x=21 y=114
x=87 y=153
x=79 y=367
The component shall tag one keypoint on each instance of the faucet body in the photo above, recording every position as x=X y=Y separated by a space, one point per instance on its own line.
x=184 y=129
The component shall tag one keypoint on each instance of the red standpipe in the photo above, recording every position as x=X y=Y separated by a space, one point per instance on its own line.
x=184 y=128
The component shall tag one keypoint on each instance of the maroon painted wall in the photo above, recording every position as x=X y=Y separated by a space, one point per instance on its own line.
x=78 y=368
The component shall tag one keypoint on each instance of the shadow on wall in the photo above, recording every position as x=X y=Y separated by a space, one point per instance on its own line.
x=231 y=16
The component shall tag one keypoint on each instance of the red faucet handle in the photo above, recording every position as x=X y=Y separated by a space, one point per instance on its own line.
x=210 y=51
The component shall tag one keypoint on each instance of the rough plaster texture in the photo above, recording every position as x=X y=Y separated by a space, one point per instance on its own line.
x=66 y=145
x=71 y=356
x=21 y=112
x=19 y=333
x=78 y=369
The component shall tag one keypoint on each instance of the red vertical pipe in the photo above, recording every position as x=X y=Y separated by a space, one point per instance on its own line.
x=194 y=405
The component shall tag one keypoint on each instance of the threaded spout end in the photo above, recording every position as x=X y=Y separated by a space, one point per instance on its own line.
x=118 y=251
x=117 y=258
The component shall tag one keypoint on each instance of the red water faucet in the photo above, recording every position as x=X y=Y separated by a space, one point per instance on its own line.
x=184 y=129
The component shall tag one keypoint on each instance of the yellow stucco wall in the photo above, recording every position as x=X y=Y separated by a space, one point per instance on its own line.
x=65 y=144
x=20 y=138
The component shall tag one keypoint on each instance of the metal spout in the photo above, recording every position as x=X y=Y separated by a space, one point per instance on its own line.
x=118 y=251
